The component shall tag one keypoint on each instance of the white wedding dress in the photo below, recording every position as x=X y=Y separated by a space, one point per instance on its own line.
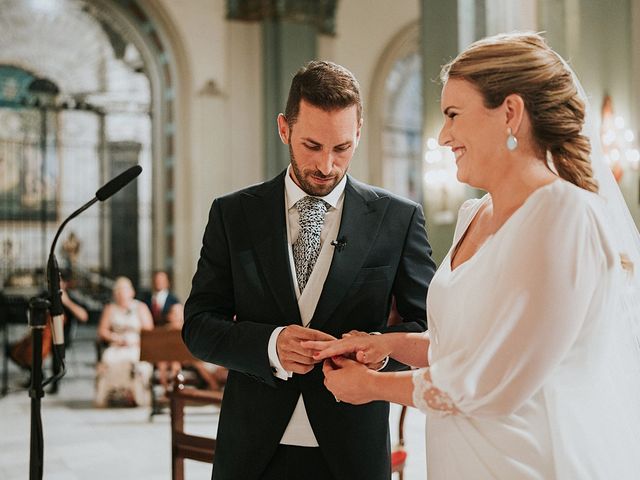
x=521 y=345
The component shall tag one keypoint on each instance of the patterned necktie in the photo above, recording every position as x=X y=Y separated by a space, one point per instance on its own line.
x=306 y=248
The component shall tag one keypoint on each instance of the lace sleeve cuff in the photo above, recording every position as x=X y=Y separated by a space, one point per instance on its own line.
x=428 y=397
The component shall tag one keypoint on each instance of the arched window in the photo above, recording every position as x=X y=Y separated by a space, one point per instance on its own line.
x=396 y=115
x=403 y=160
x=402 y=128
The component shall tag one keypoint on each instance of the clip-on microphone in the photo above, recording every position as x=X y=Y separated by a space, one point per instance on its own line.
x=340 y=243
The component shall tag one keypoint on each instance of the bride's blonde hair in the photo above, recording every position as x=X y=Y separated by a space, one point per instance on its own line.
x=522 y=63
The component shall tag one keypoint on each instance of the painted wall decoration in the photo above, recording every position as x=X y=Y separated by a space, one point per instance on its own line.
x=28 y=155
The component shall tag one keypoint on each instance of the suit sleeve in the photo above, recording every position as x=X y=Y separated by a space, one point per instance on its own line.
x=415 y=270
x=210 y=331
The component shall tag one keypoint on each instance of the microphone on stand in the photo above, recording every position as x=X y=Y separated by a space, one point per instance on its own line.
x=37 y=320
x=53 y=272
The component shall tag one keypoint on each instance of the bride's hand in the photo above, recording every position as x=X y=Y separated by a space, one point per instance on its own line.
x=369 y=360
x=349 y=381
x=367 y=349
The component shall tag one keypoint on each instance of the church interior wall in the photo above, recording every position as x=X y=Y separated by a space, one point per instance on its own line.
x=220 y=122
x=224 y=111
x=359 y=43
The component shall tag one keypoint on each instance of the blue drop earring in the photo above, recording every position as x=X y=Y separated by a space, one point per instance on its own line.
x=512 y=141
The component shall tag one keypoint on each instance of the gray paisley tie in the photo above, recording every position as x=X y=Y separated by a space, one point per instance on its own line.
x=306 y=248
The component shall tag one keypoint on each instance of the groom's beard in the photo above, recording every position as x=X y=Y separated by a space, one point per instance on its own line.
x=307 y=185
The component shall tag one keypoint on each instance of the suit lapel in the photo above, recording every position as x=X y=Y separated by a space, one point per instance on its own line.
x=362 y=215
x=265 y=213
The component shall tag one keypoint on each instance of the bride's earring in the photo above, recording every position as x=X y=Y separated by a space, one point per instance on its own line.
x=512 y=141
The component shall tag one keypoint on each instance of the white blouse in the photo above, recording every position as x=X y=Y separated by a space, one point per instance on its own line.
x=520 y=349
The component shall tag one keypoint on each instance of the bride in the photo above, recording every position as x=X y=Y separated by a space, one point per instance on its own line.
x=530 y=368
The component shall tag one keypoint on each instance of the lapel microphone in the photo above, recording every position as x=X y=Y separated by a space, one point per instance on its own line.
x=340 y=243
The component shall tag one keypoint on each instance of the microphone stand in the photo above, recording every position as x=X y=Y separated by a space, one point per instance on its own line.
x=38 y=307
x=37 y=321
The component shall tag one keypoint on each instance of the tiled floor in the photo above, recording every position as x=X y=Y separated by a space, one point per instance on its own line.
x=82 y=442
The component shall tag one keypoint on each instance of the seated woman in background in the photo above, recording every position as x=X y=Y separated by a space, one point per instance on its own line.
x=122 y=380
x=214 y=376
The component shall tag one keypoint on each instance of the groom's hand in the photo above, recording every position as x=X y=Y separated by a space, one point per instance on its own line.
x=291 y=354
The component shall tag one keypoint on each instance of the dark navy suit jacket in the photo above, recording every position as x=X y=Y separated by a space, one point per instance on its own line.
x=243 y=289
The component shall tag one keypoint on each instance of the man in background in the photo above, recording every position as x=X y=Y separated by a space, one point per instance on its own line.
x=160 y=299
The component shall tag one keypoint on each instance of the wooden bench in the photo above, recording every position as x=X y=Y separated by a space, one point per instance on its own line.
x=162 y=345
x=166 y=345
x=185 y=445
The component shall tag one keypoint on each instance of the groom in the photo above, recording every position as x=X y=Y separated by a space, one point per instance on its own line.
x=310 y=254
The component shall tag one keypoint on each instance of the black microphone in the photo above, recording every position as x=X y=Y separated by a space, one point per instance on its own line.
x=340 y=243
x=117 y=183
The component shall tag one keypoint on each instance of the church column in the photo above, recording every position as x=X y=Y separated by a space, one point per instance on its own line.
x=286 y=47
x=439 y=44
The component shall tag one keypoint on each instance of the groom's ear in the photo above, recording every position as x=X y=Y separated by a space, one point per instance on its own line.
x=358 y=131
x=283 y=129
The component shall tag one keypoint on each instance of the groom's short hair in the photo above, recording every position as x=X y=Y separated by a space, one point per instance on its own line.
x=325 y=85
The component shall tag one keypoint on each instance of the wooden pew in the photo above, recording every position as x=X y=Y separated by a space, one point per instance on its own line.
x=184 y=445
x=162 y=344
x=158 y=345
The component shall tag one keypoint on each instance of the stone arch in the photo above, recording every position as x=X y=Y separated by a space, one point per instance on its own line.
x=149 y=28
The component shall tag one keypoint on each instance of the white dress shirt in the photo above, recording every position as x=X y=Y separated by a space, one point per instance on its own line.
x=160 y=298
x=299 y=430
